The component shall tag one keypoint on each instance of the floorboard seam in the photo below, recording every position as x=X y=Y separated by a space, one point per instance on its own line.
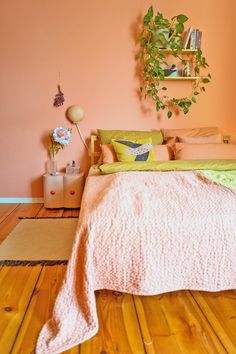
x=32 y=294
x=140 y=329
x=10 y=213
x=199 y=306
x=39 y=210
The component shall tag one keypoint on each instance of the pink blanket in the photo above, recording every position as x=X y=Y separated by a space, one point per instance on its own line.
x=143 y=233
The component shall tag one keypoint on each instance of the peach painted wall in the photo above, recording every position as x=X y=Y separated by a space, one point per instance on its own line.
x=92 y=44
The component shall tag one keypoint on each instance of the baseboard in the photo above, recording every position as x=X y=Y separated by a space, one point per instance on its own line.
x=21 y=200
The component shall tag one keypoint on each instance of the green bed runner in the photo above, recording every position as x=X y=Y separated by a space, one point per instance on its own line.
x=219 y=171
x=227 y=178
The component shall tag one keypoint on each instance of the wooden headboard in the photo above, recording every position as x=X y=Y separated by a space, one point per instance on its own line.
x=94 y=151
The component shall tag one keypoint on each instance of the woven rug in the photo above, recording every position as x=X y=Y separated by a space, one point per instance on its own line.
x=45 y=241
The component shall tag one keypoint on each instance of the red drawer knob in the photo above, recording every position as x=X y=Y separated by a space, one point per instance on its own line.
x=52 y=192
x=72 y=192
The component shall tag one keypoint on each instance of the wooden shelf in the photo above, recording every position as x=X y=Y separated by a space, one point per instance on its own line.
x=188 y=78
x=187 y=51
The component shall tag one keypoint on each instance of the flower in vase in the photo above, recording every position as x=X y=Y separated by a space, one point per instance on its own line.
x=58 y=139
x=62 y=135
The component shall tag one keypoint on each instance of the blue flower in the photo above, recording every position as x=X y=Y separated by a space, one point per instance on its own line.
x=62 y=135
x=58 y=139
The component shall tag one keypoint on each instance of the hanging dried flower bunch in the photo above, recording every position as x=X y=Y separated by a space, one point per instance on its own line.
x=59 y=98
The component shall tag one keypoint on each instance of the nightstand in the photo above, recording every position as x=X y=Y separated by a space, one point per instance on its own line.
x=63 y=191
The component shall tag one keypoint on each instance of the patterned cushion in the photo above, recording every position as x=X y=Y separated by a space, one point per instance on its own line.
x=135 y=150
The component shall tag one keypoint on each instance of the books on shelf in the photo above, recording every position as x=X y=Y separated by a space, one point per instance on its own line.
x=198 y=40
x=187 y=37
x=193 y=39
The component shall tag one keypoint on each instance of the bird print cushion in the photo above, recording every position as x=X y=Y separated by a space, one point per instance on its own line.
x=135 y=150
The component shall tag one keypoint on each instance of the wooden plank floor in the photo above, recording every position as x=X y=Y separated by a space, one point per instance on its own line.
x=178 y=322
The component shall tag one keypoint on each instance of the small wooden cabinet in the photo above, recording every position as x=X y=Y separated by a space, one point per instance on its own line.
x=72 y=190
x=63 y=191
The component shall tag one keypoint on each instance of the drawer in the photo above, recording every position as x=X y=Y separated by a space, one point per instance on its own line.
x=73 y=189
x=53 y=191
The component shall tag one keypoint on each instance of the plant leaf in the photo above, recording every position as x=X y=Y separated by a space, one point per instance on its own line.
x=169 y=114
x=182 y=18
x=205 y=80
x=179 y=28
x=148 y=16
x=161 y=55
x=158 y=106
x=185 y=110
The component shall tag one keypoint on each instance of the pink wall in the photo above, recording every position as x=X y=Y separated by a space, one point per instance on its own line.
x=92 y=44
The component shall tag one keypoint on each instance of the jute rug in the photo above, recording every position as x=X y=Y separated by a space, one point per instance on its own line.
x=46 y=241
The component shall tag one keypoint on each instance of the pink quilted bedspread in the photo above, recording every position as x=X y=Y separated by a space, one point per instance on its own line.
x=143 y=233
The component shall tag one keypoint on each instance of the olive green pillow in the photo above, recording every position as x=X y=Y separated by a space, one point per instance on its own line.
x=106 y=136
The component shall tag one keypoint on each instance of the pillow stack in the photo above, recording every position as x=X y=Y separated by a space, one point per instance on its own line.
x=129 y=145
x=179 y=144
x=199 y=144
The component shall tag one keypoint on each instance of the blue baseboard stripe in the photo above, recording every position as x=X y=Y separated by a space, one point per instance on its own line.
x=21 y=200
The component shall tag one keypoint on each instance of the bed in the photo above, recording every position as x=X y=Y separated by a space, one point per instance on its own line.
x=147 y=228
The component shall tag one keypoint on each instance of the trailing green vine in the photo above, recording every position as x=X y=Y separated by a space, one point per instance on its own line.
x=158 y=33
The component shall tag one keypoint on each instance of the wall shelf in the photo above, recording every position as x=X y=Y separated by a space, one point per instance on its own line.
x=169 y=59
x=185 y=51
x=183 y=78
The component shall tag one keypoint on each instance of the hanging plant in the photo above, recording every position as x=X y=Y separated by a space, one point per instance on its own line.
x=160 y=33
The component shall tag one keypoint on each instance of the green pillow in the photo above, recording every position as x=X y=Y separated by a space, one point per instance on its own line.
x=106 y=136
x=134 y=150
